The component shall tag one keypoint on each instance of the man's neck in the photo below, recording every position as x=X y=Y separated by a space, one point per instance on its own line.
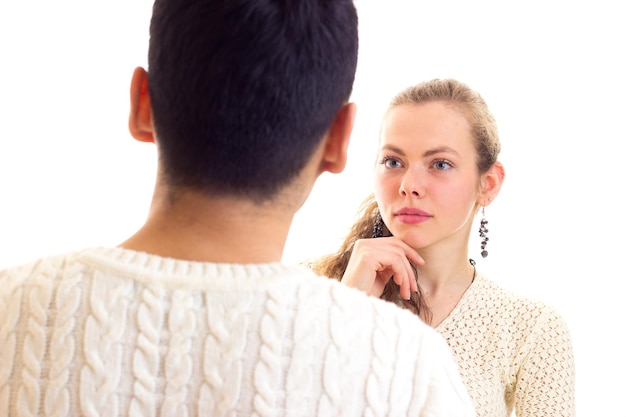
x=225 y=230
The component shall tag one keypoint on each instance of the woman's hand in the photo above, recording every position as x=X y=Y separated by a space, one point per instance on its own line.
x=375 y=261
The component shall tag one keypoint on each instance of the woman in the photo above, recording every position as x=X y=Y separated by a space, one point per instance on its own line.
x=437 y=168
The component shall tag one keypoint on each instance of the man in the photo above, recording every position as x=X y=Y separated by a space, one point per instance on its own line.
x=247 y=104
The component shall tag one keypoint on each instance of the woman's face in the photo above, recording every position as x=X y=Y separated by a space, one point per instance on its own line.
x=426 y=180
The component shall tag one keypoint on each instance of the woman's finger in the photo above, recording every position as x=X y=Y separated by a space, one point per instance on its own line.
x=374 y=261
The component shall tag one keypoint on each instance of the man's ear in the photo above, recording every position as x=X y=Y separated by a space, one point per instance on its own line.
x=490 y=183
x=140 y=118
x=337 y=140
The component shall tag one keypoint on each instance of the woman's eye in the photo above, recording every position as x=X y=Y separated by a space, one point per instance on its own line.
x=442 y=165
x=389 y=162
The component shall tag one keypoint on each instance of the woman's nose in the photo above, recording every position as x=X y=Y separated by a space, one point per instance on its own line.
x=411 y=185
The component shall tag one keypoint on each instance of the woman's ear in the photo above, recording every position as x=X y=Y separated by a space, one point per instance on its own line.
x=490 y=183
x=140 y=117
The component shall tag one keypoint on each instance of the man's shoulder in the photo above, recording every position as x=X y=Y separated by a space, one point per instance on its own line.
x=21 y=273
x=348 y=303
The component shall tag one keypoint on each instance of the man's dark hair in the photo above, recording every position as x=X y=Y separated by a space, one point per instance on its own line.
x=243 y=90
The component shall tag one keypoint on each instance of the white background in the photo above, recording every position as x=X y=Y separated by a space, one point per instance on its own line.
x=552 y=72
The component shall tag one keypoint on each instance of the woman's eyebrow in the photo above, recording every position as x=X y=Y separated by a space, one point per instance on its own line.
x=393 y=149
x=440 y=149
x=430 y=152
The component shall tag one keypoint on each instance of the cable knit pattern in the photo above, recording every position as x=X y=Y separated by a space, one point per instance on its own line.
x=513 y=353
x=113 y=332
x=34 y=348
x=10 y=304
x=146 y=358
x=379 y=380
x=62 y=344
x=399 y=396
x=338 y=354
x=267 y=375
x=178 y=361
x=105 y=326
x=224 y=347
x=306 y=332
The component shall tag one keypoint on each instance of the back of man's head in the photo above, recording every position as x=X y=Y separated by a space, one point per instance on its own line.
x=242 y=91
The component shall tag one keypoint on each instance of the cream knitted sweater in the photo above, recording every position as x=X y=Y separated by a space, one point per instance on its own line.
x=513 y=353
x=113 y=332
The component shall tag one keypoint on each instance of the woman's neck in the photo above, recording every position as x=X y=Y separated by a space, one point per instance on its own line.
x=444 y=269
x=443 y=279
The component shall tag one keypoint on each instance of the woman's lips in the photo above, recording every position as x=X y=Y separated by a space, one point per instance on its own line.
x=409 y=215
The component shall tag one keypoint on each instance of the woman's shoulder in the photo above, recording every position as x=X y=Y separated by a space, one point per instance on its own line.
x=521 y=308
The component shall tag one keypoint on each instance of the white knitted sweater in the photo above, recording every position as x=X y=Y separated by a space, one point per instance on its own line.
x=113 y=332
x=514 y=353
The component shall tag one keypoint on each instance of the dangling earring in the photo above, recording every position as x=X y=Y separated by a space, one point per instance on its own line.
x=378 y=226
x=483 y=235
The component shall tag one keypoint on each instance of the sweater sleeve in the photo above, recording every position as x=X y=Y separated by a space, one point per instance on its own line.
x=447 y=395
x=545 y=383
